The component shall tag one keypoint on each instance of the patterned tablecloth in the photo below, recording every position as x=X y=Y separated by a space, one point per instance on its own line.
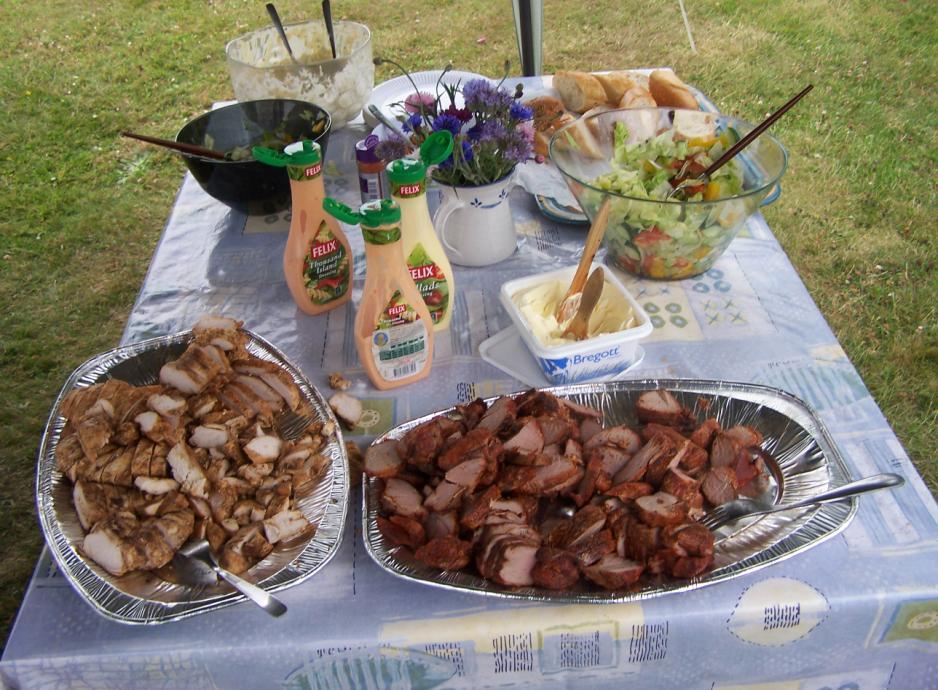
x=857 y=611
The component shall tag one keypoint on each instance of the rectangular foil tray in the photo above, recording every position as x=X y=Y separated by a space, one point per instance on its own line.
x=807 y=462
x=143 y=598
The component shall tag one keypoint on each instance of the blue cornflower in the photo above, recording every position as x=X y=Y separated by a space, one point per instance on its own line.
x=519 y=112
x=467 y=152
x=450 y=122
x=412 y=122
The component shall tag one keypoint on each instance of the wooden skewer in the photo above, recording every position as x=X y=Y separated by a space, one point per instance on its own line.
x=756 y=131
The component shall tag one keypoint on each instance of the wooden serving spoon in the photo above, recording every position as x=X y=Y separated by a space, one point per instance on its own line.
x=176 y=145
x=568 y=304
x=579 y=324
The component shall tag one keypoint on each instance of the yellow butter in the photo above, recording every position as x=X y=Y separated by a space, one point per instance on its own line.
x=538 y=304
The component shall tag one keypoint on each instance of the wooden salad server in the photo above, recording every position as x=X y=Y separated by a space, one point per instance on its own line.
x=568 y=305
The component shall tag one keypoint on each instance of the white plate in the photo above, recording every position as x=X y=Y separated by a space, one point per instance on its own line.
x=507 y=351
x=386 y=94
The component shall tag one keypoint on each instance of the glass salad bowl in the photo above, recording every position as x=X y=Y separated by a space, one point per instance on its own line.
x=635 y=157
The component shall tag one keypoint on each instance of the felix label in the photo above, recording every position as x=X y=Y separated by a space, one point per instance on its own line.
x=326 y=267
x=430 y=281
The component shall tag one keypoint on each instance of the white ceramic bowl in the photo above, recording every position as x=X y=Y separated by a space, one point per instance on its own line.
x=586 y=360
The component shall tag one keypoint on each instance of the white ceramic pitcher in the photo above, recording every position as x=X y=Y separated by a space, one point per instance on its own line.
x=475 y=223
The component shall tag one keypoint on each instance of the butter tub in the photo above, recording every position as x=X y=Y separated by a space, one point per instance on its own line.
x=597 y=357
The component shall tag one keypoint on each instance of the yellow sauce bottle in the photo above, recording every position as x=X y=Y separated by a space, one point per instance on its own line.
x=317 y=260
x=426 y=260
x=393 y=328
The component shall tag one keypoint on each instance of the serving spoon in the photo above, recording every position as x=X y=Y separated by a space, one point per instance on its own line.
x=330 y=27
x=579 y=324
x=568 y=305
x=196 y=565
x=278 y=25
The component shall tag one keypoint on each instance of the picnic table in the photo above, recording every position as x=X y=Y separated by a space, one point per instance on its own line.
x=859 y=610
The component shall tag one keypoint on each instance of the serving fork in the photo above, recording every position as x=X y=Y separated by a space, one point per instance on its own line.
x=196 y=565
x=746 y=507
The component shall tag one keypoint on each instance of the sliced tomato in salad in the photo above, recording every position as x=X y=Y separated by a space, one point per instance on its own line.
x=651 y=236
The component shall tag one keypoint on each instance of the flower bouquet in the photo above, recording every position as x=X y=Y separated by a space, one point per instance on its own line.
x=492 y=131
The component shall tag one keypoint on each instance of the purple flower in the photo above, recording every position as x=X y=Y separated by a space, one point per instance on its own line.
x=413 y=103
x=474 y=91
x=450 y=122
x=392 y=148
x=519 y=112
x=481 y=95
x=517 y=148
x=493 y=130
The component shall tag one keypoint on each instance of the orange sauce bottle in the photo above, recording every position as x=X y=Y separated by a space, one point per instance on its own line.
x=393 y=328
x=317 y=260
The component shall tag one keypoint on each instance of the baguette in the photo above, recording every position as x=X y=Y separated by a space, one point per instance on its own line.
x=637 y=97
x=668 y=90
x=585 y=140
x=580 y=91
x=616 y=84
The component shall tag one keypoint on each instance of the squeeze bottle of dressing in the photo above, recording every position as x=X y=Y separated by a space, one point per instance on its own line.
x=393 y=328
x=426 y=260
x=317 y=261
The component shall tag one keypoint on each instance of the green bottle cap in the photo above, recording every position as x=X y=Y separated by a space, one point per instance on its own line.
x=372 y=214
x=436 y=148
x=304 y=152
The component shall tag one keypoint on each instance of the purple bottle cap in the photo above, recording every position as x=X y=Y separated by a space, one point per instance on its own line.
x=365 y=149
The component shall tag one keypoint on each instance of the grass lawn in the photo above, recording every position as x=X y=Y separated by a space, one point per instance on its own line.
x=81 y=209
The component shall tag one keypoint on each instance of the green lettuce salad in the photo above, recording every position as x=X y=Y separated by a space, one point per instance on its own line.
x=651 y=236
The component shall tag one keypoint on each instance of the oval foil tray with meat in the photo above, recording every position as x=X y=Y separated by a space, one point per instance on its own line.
x=590 y=493
x=81 y=461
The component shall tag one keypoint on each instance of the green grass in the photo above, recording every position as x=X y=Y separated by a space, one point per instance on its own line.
x=81 y=209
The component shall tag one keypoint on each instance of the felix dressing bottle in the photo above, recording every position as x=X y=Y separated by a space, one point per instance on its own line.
x=317 y=261
x=393 y=328
x=426 y=260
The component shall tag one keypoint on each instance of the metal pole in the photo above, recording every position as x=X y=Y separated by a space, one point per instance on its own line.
x=529 y=29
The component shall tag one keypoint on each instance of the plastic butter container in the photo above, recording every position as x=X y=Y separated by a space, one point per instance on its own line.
x=598 y=356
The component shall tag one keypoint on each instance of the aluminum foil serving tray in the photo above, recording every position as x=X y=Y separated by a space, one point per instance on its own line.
x=806 y=462
x=143 y=598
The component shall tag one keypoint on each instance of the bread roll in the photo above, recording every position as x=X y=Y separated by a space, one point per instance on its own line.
x=668 y=90
x=580 y=91
x=547 y=110
x=637 y=97
x=615 y=84
x=542 y=137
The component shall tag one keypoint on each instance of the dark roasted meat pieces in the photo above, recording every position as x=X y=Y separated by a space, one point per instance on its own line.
x=495 y=487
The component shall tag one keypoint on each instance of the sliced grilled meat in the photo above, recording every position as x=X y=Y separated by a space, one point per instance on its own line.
x=554 y=569
x=614 y=572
